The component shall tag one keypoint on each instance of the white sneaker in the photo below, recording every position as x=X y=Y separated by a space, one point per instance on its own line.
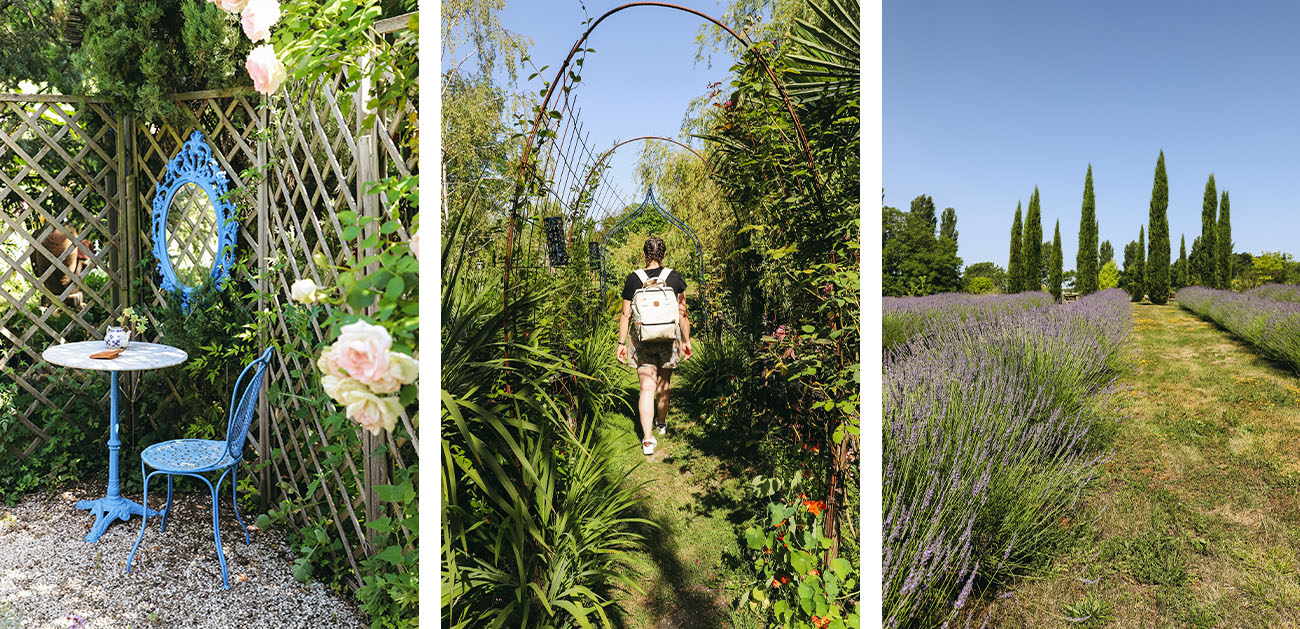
x=648 y=446
x=663 y=428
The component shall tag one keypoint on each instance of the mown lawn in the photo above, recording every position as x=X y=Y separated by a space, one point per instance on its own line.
x=692 y=575
x=1196 y=519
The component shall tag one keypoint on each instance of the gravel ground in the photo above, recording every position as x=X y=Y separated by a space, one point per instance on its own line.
x=48 y=573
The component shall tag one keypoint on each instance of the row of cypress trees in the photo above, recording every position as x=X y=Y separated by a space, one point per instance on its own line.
x=1147 y=268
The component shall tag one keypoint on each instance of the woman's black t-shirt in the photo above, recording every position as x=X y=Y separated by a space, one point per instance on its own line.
x=633 y=283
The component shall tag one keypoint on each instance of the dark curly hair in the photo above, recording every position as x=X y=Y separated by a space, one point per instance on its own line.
x=654 y=249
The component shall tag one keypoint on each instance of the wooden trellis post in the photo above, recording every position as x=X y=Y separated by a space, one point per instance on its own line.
x=367 y=172
x=263 y=406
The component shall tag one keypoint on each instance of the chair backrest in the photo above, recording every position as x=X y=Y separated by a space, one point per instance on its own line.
x=242 y=403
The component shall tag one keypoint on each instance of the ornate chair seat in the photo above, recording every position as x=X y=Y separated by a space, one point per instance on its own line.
x=187 y=455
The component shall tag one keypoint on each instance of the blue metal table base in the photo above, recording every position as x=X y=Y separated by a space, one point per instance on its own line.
x=109 y=509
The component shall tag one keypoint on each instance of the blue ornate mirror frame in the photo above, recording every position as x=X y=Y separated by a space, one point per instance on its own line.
x=194 y=165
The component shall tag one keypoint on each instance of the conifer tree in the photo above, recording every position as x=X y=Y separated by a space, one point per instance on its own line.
x=1203 y=256
x=1033 y=267
x=1105 y=253
x=1086 y=267
x=1130 y=278
x=1140 y=268
x=1157 y=262
x=1224 y=241
x=1182 y=262
x=1015 y=267
x=1054 y=278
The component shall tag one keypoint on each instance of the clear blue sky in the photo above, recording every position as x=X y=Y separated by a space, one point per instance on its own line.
x=640 y=79
x=983 y=101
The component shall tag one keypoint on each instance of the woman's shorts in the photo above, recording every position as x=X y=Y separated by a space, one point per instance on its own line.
x=661 y=354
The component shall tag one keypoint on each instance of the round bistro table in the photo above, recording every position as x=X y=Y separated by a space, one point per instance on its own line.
x=136 y=357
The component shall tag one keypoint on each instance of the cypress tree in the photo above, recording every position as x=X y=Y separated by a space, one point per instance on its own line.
x=1131 y=278
x=1105 y=253
x=1086 y=267
x=1203 y=256
x=1033 y=245
x=1054 y=278
x=1140 y=276
x=1157 y=262
x=1224 y=241
x=1182 y=262
x=1015 y=268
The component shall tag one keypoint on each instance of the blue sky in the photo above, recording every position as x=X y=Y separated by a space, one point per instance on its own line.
x=640 y=79
x=984 y=101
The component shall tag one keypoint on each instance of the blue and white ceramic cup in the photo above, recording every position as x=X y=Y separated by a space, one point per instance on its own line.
x=117 y=337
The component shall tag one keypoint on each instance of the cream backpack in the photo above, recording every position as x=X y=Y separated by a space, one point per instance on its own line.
x=654 y=308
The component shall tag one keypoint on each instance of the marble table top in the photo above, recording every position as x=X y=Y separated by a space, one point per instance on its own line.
x=136 y=357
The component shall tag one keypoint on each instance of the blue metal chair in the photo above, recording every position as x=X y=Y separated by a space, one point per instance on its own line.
x=195 y=457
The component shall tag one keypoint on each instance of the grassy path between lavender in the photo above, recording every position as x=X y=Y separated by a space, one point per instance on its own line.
x=1196 y=518
x=692 y=574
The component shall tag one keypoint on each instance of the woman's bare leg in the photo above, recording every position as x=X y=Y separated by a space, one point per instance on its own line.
x=646 y=403
x=663 y=386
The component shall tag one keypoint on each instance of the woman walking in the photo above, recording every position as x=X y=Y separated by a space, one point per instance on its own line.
x=661 y=338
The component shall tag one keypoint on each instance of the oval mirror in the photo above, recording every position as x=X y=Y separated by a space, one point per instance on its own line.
x=193 y=226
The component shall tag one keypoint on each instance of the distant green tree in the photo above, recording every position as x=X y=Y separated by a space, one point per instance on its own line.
x=1086 y=266
x=980 y=285
x=996 y=274
x=1141 y=275
x=945 y=266
x=1034 y=251
x=1224 y=241
x=1070 y=281
x=1203 y=265
x=1108 y=276
x=1181 y=276
x=915 y=261
x=1273 y=266
x=892 y=252
x=1016 y=266
x=1131 y=279
x=1045 y=271
x=1105 y=253
x=1054 y=277
x=1157 y=262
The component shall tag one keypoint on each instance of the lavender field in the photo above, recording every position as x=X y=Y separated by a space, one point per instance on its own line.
x=1271 y=325
x=994 y=425
x=1276 y=292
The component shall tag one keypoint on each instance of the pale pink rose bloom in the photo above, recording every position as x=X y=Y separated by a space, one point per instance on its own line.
x=402 y=369
x=415 y=244
x=305 y=291
x=328 y=363
x=258 y=17
x=371 y=411
x=231 y=6
x=337 y=387
x=266 y=71
x=362 y=351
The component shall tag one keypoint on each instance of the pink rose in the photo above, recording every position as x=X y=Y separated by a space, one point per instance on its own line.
x=402 y=369
x=415 y=244
x=371 y=411
x=258 y=17
x=266 y=71
x=362 y=351
x=230 y=6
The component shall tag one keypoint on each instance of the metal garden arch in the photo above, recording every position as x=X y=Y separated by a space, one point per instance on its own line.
x=651 y=202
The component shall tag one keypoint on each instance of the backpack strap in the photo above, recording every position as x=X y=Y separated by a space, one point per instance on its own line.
x=663 y=275
x=641 y=274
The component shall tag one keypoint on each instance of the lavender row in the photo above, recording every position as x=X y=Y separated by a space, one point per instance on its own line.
x=989 y=440
x=907 y=317
x=1272 y=326
x=1276 y=292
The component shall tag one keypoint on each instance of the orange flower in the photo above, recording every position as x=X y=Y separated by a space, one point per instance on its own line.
x=813 y=572
x=785 y=579
x=815 y=507
x=821 y=622
x=775 y=583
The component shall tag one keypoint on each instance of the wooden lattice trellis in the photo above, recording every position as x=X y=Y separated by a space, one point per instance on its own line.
x=66 y=163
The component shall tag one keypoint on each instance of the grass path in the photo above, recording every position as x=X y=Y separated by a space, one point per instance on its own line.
x=693 y=486
x=1196 y=518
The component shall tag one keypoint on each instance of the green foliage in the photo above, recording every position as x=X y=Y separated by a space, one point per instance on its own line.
x=1090 y=611
x=1054 y=278
x=995 y=274
x=1181 y=274
x=1086 y=264
x=1033 y=248
x=36 y=38
x=1156 y=265
x=1223 y=240
x=1204 y=268
x=1109 y=276
x=74 y=450
x=1132 y=278
x=980 y=285
x=799 y=585
x=138 y=52
x=1105 y=252
x=916 y=262
x=1016 y=266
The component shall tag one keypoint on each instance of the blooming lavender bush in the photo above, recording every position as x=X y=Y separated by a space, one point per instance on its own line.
x=1273 y=327
x=1276 y=292
x=906 y=317
x=988 y=445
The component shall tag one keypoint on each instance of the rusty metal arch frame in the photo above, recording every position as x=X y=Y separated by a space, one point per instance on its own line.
x=653 y=203
x=542 y=114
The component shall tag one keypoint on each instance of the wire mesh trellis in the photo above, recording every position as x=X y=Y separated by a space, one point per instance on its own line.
x=68 y=166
